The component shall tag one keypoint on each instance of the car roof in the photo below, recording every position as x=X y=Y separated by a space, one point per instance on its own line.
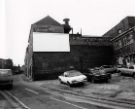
x=5 y=69
x=71 y=71
x=107 y=65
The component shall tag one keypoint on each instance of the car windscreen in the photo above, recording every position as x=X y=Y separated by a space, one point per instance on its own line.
x=107 y=66
x=74 y=73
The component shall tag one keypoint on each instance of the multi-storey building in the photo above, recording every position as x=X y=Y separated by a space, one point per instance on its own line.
x=123 y=39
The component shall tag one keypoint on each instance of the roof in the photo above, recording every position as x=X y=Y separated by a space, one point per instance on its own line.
x=91 y=41
x=43 y=22
x=123 y=33
x=123 y=25
x=47 y=21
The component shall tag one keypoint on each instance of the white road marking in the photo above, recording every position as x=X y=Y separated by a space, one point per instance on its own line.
x=30 y=90
x=20 y=102
x=68 y=103
x=8 y=99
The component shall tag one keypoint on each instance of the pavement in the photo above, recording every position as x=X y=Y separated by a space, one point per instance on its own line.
x=120 y=88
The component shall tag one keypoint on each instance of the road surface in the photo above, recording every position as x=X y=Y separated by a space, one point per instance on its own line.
x=25 y=95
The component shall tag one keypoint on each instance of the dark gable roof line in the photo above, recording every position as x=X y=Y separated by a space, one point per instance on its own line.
x=48 y=21
x=45 y=21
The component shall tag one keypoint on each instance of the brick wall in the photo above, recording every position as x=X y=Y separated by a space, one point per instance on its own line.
x=48 y=28
x=49 y=65
x=125 y=44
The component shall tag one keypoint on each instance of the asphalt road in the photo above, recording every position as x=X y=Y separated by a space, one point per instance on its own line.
x=34 y=97
x=4 y=104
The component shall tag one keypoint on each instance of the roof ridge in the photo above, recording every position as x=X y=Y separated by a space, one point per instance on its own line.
x=48 y=20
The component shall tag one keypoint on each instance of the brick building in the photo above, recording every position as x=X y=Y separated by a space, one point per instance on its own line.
x=123 y=39
x=83 y=51
x=6 y=63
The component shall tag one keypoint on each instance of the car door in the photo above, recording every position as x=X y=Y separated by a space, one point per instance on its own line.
x=126 y=71
x=65 y=77
x=130 y=72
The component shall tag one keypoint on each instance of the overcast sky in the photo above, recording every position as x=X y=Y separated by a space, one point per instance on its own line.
x=94 y=17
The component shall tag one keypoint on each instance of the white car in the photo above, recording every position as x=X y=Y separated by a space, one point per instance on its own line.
x=127 y=71
x=72 y=77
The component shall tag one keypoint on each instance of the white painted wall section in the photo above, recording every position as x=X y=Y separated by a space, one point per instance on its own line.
x=51 y=42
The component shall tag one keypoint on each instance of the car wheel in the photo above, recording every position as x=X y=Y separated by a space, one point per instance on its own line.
x=60 y=81
x=120 y=73
x=108 y=80
x=92 y=80
x=134 y=75
x=69 y=84
x=10 y=86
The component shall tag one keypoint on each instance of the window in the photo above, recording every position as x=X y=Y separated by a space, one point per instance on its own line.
x=131 y=35
x=119 y=31
x=120 y=44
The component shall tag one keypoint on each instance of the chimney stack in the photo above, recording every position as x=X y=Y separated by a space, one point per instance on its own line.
x=66 y=20
x=66 y=26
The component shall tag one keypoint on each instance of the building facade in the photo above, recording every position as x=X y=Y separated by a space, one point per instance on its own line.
x=85 y=52
x=123 y=39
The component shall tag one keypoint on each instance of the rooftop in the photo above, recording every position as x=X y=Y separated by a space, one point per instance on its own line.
x=47 y=21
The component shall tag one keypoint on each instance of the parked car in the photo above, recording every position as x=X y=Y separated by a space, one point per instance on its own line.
x=127 y=71
x=97 y=74
x=121 y=66
x=109 y=69
x=72 y=77
x=6 y=78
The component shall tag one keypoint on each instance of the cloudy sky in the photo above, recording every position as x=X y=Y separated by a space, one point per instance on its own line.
x=94 y=17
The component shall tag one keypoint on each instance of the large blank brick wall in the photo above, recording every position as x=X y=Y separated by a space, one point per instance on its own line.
x=80 y=56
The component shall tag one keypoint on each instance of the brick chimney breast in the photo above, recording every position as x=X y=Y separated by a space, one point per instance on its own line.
x=66 y=26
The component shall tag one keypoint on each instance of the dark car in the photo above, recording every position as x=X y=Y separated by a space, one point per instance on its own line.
x=109 y=69
x=96 y=75
x=6 y=78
